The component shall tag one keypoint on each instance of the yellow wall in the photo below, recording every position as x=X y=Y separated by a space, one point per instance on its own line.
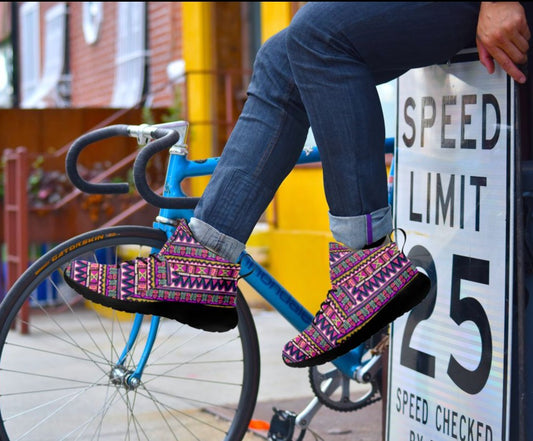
x=274 y=17
x=299 y=242
x=198 y=56
x=298 y=239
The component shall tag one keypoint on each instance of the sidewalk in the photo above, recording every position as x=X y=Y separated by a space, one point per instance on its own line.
x=280 y=386
x=289 y=389
x=362 y=425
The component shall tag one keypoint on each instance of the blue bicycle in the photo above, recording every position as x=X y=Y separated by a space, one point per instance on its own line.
x=88 y=372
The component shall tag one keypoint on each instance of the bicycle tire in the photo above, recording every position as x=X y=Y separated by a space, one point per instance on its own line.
x=54 y=382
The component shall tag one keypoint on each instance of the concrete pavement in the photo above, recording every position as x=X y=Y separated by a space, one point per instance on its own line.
x=289 y=389
x=280 y=386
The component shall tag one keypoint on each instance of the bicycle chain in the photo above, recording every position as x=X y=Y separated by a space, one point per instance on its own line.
x=379 y=348
x=337 y=405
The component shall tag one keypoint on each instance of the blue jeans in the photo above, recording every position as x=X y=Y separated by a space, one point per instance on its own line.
x=322 y=71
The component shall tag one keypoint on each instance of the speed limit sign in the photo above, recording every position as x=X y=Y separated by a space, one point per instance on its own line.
x=449 y=373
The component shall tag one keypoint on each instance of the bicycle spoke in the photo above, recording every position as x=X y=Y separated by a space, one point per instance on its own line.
x=72 y=312
x=103 y=413
x=64 y=404
x=192 y=401
x=200 y=363
x=166 y=422
x=204 y=380
x=103 y=328
x=62 y=381
x=42 y=405
x=71 y=343
x=186 y=362
x=53 y=377
x=172 y=413
x=55 y=353
x=157 y=347
x=84 y=425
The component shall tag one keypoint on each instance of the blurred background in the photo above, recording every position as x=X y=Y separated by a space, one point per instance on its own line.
x=70 y=67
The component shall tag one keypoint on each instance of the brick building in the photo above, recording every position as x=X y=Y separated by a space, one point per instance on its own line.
x=125 y=54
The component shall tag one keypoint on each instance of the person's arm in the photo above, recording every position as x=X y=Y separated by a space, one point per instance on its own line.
x=503 y=36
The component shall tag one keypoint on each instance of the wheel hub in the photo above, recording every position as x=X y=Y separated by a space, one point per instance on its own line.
x=120 y=376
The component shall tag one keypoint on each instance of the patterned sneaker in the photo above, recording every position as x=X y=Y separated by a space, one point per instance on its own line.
x=184 y=281
x=371 y=288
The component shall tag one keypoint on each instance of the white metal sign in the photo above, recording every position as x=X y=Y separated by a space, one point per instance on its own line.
x=450 y=356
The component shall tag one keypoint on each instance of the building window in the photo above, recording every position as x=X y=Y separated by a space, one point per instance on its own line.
x=6 y=74
x=30 y=56
x=51 y=86
x=130 y=58
x=6 y=56
x=93 y=14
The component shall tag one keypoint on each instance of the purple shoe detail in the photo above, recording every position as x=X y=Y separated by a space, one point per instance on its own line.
x=370 y=289
x=337 y=256
x=185 y=281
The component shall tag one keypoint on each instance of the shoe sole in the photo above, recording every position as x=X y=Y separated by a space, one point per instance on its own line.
x=207 y=318
x=402 y=302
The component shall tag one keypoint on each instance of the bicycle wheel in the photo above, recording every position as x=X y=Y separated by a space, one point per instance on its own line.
x=58 y=382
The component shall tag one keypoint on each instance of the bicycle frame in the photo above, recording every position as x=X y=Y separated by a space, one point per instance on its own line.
x=180 y=168
x=163 y=378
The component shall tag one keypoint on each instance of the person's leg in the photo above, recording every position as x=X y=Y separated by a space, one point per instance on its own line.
x=338 y=52
x=193 y=278
x=262 y=149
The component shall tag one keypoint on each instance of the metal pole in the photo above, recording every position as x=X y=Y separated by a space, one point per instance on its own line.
x=519 y=271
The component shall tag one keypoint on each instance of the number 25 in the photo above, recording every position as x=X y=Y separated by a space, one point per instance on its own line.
x=461 y=310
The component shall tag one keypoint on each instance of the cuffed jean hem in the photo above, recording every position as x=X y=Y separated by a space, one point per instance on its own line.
x=357 y=231
x=222 y=244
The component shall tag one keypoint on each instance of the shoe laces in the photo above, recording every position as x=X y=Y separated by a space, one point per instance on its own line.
x=324 y=305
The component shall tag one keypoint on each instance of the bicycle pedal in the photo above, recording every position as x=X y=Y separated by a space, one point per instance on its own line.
x=282 y=425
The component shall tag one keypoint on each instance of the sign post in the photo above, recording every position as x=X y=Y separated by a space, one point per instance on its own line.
x=449 y=374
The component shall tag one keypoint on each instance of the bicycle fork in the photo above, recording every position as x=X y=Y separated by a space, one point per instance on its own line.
x=120 y=375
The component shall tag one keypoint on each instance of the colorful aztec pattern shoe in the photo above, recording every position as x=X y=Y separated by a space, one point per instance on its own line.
x=371 y=288
x=185 y=281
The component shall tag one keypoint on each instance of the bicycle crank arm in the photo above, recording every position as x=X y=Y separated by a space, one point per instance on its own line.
x=367 y=372
x=303 y=419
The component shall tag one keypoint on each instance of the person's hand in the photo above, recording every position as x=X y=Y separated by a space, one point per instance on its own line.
x=503 y=35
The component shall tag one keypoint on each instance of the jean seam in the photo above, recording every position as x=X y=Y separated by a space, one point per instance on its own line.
x=275 y=139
